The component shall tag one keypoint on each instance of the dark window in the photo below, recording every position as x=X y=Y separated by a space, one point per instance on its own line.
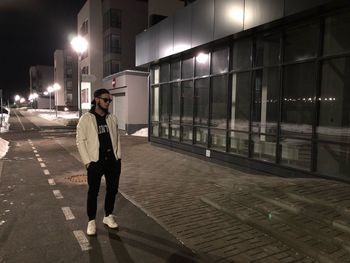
x=241 y=55
x=298 y=99
x=112 y=19
x=84 y=29
x=111 y=44
x=267 y=51
x=187 y=68
x=201 y=102
x=187 y=98
x=175 y=70
x=220 y=61
x=202 y=64
x=111 y=67
x=175 y=102
x=219 y=102
x=301 y=43
x=164 y=72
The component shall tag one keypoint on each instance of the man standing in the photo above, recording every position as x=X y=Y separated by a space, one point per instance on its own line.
x=98 y=143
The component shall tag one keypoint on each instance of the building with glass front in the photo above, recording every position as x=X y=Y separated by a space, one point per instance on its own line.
x=263 y=84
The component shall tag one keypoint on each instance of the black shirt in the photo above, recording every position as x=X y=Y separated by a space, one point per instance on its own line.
x=104 y=137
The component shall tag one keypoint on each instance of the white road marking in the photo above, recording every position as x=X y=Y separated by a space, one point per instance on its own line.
x=33 y=148
x=20 y=121
x=35 y=151
x=40 y=160
x=51 y=181
x=68 y=213
x=29 y=140
x=42 y=165
x=82 y=240
x=37 y=155
x=46 y=172
x=57 y=194
x=2 y=222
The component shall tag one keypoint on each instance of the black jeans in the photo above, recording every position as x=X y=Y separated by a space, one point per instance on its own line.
x=110 y=168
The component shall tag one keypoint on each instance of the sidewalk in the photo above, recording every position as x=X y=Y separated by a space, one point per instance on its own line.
x=234 y=215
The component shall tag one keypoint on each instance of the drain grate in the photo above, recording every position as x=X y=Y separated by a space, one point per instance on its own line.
x=80 y=178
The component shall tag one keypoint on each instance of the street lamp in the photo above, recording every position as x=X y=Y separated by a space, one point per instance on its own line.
x=56 y=87
x=80 y=45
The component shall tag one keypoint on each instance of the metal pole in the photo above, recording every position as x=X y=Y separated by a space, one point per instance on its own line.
x=56 y=102
x=50 y=101
x=79 y=86
x=1 y=114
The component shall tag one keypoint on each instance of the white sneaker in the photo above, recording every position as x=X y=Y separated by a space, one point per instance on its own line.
x=110 y=222
x=91 y=228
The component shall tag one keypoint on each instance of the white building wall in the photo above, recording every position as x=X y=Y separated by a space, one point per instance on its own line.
x=59 y=76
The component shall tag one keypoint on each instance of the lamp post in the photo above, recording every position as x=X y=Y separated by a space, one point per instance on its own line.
x=49 y=90
x=79 y=45
x=56 y=87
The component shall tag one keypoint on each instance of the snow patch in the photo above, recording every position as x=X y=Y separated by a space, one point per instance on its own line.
x=4 y=147
x=141 y=133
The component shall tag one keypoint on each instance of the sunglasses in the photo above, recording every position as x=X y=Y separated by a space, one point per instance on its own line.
x=105 y=99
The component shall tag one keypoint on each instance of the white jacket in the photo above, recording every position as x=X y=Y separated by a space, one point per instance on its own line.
x=87 y=137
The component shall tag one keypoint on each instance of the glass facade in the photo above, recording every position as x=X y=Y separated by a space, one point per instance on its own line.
x=280 y=96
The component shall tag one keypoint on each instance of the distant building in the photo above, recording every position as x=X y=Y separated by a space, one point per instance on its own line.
x=262 y=84
x=40 y=78
x=66 y=75
x=160 y=9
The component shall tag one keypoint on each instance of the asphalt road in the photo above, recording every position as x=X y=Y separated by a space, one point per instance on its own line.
x=42 y=206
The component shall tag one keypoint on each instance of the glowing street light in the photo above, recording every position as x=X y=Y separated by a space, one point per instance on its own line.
x=80 y=45
x=17 y=98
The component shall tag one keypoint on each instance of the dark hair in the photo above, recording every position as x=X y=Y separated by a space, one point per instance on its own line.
x=98 y=93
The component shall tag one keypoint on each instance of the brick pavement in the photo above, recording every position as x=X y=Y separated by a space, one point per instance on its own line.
x=234 y=215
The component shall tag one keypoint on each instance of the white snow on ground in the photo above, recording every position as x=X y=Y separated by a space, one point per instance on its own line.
x=46 y=114
x=4 y=147
x=142 y=133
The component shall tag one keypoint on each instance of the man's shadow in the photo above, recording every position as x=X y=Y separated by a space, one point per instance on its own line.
x=95 y=254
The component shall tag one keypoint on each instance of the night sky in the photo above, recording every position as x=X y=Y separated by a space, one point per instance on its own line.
x=30 y=32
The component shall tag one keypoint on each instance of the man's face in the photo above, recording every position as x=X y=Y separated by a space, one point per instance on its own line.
x=103 y=101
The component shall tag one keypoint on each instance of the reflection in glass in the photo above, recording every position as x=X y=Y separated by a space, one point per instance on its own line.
x=218 y=139
x=219 y=102
x=155 y=129
x=187 y=134
x=175 y=132
x=175 y=70
x=296 y=153
x=187 y=98
x=202 y=64
x=265 y=101
x=201 y=101
x=333 y=160
x=267 y=51
x=164 y=72
x=220 y=61
x=240 y=109
x=298 y=99
x=264 y=147
x=175 y=102
x=241 y=56
x=155 y=75
x=155 y=103
x=187 y=68
x=164 y=102
x=301 y=43
x=336 y=35
x=164 y=130
x=201 y=136
x=239 y=143
x=334 y=100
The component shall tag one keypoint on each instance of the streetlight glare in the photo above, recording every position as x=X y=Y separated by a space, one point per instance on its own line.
x=17 y=98
x=79 y=44
x=56 y=86
x=49 y=89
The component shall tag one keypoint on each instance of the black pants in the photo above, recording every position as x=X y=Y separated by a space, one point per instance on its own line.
x=110 y=168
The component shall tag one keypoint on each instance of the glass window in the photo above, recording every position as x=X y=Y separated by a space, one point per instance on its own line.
x=112 y=19
x=301 y=43
x=175 y=132
x=201 y=136
x=265 y=101
x=336 y=35
x=201 y=98
x=175 y=70
x=298 y=99
x=155 y=129
x=164 y=102
x=202 y=64
x=164 y=72
x=187 y=134
x=264 y=147
x=187 y=68
x=334 y=101
x=239 y=143
x=240 y=107
x=187 y=98
x=218 y=139
x=220 y=61
x=164 y=130
x=241 y=57
x=219 y=101
x=155 y=103
x=175 y=102
x=333 y=160
x=155 y=75
x=267 y=51
x=115 y=44
x=295 y=153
